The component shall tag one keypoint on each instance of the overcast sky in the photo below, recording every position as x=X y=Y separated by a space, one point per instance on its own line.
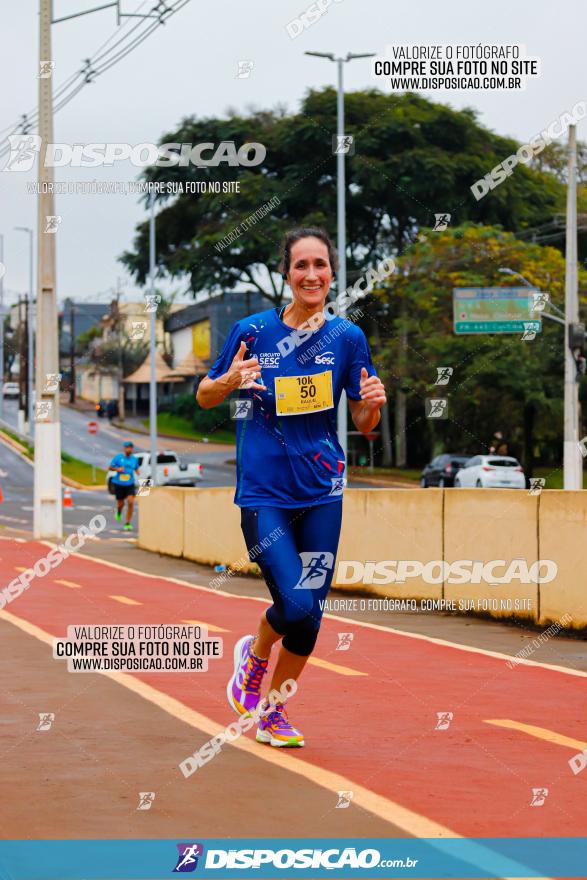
x=189 y=66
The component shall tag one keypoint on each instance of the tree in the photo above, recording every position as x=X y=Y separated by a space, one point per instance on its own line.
x=413 y=158
x=84 y=341
x=499 y=382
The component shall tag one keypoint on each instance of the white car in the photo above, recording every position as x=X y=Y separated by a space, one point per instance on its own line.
x=170 y=470
x=491 y=472
x=10 y=389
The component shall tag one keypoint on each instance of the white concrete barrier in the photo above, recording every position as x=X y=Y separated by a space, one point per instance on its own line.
x=491 y=528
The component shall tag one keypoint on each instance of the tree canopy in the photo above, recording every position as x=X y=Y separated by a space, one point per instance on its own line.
x=499 y=381
x=413 y=158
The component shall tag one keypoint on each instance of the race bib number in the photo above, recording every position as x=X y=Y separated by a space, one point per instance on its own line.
x=296 y=395
x=125 y=477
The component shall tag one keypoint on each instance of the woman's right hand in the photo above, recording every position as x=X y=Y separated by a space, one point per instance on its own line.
x=244 y=373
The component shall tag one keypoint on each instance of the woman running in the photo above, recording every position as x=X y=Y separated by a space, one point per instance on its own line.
x=290 y=465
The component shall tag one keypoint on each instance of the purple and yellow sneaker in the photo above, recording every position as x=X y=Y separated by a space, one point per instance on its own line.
x=244 y=688
x=275 y=728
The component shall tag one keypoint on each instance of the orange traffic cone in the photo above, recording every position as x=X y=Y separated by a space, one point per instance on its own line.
x=67 y=499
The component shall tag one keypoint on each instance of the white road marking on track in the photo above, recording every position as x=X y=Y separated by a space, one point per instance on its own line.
x=209 y=626
x=124 y=600
x=469 y=649
x=334 y=667
x=551 y=736
x=384 y=808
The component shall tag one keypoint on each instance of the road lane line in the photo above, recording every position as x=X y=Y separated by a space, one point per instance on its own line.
x=540 y=733
x=124 y=600
x=386 y=809
x=334 y=667
x=71 y=584
x=211 y=627
x=469 y=649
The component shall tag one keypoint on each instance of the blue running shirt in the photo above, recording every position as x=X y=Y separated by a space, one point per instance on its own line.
x=130 y=463
x=293 y=460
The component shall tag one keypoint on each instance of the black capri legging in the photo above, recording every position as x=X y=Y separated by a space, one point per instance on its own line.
x=295 y=550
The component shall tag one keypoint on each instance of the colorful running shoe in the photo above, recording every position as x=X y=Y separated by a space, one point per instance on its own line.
x=244 y=687
x=128 y=527
x=275 y=728
x=118 y=515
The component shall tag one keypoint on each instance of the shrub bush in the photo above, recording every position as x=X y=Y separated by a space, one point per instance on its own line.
x=203 y=420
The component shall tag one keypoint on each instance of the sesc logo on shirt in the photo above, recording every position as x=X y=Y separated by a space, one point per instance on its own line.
x=269 y=360
x=326 y=358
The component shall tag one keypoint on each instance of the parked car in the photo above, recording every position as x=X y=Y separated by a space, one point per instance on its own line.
x=491 y=472
x=170 y=470
x=442 y=469
x=107 y=408
x=10 y=389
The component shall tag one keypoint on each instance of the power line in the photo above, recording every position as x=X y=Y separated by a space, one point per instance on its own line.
x=179 y=5
x=33 y=113
x=89 y=74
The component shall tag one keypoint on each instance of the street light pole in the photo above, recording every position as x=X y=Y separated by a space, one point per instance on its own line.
x=572 y=467
x=572 y=460
x=31 y=335
x=152 y=348
x=48 y=513
x=71 y=351
x=342 y=415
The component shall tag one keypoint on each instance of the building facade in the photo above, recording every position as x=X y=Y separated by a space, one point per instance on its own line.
x=200 y=329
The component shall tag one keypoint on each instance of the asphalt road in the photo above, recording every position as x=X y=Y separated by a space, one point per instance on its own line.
x=99 y=449
x=16 y=510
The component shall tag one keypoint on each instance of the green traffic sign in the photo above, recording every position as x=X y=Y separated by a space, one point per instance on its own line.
x=495 y=310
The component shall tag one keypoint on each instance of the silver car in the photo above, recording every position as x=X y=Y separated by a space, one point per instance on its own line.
x=491 y=472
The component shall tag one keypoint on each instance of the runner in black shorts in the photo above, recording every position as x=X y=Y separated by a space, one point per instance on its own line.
x=125 y=465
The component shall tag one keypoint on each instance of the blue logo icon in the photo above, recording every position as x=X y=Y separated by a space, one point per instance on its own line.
x=187 y=859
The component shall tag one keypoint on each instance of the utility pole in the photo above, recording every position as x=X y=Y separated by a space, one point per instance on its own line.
x=48 y=513
x=30 y=336
x=1 y=326
x=21 y=364
x=72 y=352
x=572 y=460
x=152 y=347
x=121 y=412
x=26 y=363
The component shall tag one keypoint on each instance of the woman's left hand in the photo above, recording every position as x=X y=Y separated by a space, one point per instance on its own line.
x=372 y=390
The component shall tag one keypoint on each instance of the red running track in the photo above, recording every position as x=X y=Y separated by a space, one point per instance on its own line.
x=377 y=730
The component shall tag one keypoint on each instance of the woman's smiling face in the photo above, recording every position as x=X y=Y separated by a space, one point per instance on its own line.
x=310 y=274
